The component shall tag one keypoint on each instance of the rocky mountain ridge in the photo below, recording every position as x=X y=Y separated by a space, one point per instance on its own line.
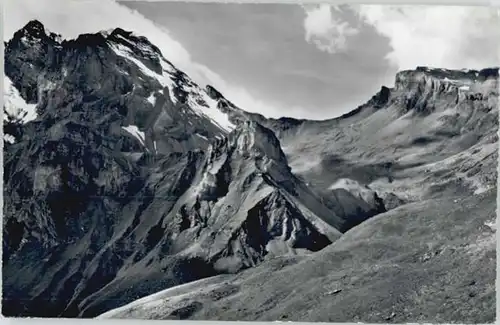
x=125 y=177
x=429 y=148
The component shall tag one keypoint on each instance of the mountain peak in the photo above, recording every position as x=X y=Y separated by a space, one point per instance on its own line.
x=34 y=25
x=87 y=40
x=34 y=29
x=250 y=136
x=255 y=127
x=213 y=93
x=381 y=98
x=130 y=40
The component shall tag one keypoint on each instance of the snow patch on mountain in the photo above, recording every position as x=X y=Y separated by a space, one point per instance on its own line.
x=152 y=99
x=15 y=106
x=143 y=48
x=164 y=79
x=201 y=103
x=216 y=115
x=134 y=130
x=197 y=99
x=8 y=138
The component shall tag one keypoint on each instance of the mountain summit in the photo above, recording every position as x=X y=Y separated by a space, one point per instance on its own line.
x=116 y=157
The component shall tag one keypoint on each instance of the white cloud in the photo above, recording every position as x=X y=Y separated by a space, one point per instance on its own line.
x=325 y=29
x=74 y=17
x=452 y=37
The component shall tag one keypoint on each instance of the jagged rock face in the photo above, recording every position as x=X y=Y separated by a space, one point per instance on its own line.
x=244 y=190
x=123 y=177
x=425 y=89
x=115 y=80
x=394 y=268
x=126 y=179
x=433 y=135
x=222 y=210
x=29 y=53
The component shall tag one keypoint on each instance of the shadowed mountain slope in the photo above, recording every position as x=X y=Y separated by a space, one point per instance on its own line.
x=123 y=177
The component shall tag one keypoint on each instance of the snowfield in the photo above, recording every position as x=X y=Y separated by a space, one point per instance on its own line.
x=134 y=130
x=15 y=106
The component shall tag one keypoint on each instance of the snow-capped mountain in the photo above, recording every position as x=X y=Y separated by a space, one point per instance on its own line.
x=131 y=177
x=133 y=83
x=123 y=177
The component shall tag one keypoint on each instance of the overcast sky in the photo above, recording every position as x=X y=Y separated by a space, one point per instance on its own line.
x=314 y=61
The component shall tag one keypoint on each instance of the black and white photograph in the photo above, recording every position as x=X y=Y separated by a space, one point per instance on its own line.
x=291 y=162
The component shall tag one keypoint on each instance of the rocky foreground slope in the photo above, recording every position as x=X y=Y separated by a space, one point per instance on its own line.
x=429 y=261
x=123 y=178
